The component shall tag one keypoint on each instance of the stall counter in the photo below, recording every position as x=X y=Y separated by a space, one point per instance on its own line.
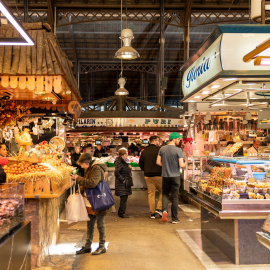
x=137 y=176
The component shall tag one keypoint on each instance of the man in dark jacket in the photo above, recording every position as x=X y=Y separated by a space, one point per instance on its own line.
x=75 y=157
x=152 y=175
x=99 y=152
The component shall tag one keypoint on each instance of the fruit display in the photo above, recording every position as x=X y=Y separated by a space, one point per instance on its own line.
x=42 y=178
x=25 y=167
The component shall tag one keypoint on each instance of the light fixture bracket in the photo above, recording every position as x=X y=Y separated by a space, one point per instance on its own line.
x=24 y=40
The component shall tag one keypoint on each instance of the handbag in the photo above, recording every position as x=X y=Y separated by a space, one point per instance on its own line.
x=100 y=197
x=75 y=207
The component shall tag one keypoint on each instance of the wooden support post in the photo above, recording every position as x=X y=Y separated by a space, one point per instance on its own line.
x=263 y=11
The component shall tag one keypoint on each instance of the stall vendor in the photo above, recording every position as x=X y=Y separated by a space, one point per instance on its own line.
x=253 y=150
x=3 y=150
x=99 y=152
x=75 y=157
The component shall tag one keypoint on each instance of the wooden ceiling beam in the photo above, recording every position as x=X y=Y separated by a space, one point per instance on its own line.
x=50 y=15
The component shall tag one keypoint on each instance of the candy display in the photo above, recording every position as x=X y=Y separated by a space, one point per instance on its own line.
x=227 y=183
x=232 y=149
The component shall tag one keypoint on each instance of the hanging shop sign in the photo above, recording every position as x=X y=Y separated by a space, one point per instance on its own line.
x=223 y=57
x=243 y=43
x=128 y=122
x=206 y=67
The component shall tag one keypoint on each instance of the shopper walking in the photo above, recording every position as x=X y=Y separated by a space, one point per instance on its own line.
x=152 y=175
x=123 y=181
x=170 y=157
x=92 y=176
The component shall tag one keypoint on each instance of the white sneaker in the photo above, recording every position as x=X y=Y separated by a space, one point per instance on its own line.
x=175 y=221
x=159 y=212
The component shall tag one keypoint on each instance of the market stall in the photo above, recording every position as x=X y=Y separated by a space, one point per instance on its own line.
x=38 y=96
x=114 y=133
x=226 y=95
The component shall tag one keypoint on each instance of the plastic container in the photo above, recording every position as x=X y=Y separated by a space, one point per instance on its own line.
x=259 y=175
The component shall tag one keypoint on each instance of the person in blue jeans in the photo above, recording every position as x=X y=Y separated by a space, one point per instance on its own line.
x=170 y=158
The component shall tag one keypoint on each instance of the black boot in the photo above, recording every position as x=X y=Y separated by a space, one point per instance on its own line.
x=99 y=251
x=83 y=250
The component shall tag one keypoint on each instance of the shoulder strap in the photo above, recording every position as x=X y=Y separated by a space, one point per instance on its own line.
x=101 y=172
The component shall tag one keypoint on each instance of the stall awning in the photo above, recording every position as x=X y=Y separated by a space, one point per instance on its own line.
x=40 y=72
x=218 y=71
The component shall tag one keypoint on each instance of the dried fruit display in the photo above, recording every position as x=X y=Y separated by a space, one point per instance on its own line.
x=10 y=113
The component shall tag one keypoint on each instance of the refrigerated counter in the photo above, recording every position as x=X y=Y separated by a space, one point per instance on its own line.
x=137 y=176
x=234 y=195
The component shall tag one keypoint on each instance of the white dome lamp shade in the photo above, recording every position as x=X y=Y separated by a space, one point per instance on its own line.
x=121 y=91
x=127 y=52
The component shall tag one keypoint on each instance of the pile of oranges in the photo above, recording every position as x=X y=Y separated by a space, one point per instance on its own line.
x=25 y=167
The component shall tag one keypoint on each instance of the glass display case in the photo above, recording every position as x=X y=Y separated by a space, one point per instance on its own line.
x=194 y=169
x=11 y=207
x=233 y=186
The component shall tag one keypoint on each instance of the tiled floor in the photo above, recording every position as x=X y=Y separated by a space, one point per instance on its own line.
x=210 y=256
x=187 y=208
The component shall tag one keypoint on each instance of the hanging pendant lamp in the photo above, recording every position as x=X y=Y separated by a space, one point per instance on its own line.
x=121 y=91
x=127 y=52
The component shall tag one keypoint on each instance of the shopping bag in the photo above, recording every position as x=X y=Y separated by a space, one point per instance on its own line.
x=75 y=207
x=100 y=197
